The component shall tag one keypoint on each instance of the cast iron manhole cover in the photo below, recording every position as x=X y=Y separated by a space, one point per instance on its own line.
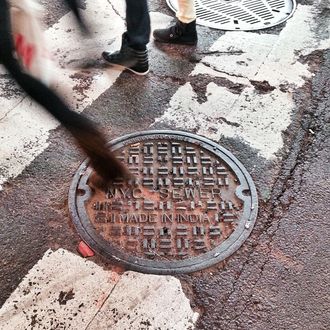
x=243 y=15
x=190 y=205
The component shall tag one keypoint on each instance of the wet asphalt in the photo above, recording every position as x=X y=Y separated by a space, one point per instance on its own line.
x=279 y=278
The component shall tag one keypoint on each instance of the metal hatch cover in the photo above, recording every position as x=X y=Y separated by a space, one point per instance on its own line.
x=244 y=15
x=190 y=205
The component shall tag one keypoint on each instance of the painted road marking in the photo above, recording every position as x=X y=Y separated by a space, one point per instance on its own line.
x=256 y=118
x=65 y=291
x=24 y=127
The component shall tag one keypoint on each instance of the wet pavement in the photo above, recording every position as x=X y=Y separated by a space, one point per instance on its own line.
x=278 y=278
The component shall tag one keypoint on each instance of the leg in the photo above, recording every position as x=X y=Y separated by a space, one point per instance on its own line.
x=187 y=11
x=138 y=24
x=184 y=30
x=133 y=54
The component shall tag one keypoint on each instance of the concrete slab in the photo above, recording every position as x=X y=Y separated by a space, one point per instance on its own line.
x=62 y=291
x=65 y=291
x=141 y=301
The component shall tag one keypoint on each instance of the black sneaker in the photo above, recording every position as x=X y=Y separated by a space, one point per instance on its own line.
x=131 y=59
x=180 y=33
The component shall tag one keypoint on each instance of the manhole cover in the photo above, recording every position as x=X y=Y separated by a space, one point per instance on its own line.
x=240 y=14
x=190 y=205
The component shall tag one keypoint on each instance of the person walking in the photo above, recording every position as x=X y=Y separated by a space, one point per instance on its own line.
x=86 y=133
x=133 y=54
x=184 y=30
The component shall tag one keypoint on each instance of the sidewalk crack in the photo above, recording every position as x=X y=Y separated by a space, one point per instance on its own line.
x=115 y=10
x=9 y=111
x=234 y=52
x=97 y=312
x=228 y=122
x=224 y=72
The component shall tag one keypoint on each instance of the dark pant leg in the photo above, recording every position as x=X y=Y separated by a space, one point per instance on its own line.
x=138 y=23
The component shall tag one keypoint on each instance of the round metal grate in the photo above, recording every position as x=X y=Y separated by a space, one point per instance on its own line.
x=242 y=15
x=190 y=205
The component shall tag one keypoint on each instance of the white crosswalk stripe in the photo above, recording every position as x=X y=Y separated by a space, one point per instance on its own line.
x=64 y=291
x=242 y=57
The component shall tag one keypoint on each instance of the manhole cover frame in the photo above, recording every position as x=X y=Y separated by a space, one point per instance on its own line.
x=224 y=250
x=172 y=4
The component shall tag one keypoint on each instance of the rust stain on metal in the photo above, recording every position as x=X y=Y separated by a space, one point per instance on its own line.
x=182 y=202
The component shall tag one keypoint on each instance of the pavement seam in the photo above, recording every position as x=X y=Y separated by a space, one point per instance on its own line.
x=115 y=10
x=13 y=108
x=216 y=52
x=105 y=300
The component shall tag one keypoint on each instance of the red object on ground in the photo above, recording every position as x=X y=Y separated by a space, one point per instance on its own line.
x=85 y=250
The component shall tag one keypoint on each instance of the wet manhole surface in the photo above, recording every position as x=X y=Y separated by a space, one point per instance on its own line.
x=190 y=205
x=243 y=15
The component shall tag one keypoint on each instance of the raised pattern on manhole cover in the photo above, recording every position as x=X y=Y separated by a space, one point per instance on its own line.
x=191 y=204
x=242 y=15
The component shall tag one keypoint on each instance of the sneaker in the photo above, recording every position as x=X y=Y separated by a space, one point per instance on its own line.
x=131 y=59
x=179 y=33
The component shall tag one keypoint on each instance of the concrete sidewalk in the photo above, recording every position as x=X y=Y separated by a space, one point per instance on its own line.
x=64 y=291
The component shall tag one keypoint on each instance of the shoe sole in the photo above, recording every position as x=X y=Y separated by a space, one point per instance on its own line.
x=137 y=72
x=123 y=68
x=192 y=43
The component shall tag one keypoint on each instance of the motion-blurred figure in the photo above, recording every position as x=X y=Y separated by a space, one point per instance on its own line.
x=87 y=136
